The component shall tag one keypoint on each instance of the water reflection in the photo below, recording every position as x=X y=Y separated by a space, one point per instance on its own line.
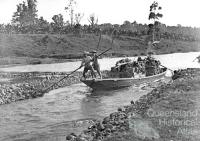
x=101 y=103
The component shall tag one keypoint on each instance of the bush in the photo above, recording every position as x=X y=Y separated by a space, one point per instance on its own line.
x=142 y=54
x=35 y=61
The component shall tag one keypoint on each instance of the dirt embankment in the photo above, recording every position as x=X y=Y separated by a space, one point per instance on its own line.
x=169 y=112
x=49 y=48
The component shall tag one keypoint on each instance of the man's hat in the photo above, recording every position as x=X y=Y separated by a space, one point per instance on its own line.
x=93 y=51
x=139 y=59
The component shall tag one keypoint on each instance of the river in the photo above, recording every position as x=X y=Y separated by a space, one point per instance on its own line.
x=72 y=108
x=172 y=61
x=61 y=112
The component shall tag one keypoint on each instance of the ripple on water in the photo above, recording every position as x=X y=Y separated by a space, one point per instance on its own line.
x=62 y=111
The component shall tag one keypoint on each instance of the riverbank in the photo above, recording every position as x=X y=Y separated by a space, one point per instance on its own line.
x=24 y=49
x=168 y=112
x=20 y=61
x=21 y=86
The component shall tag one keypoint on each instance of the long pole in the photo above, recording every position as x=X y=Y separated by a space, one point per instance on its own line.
x=194 y=59
x=104 y=52
x=71 y=73
x=61 y=79
x=99 y=41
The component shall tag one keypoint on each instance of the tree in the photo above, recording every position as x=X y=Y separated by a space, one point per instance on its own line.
x=32 y=11
x=126 y=25
x=78 y=17
x=26 y=15
x=43 y=25
x=155 y=16
x=77 y=26
x=70 y=8
x=93 y=20
x=58 y=23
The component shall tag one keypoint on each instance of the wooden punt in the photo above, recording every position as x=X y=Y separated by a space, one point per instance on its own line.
x=117 y=83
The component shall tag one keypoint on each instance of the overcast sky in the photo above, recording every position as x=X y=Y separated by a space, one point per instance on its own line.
x=184 y=12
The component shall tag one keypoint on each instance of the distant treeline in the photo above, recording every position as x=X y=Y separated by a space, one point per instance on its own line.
x=25 y=21
x=126 y=29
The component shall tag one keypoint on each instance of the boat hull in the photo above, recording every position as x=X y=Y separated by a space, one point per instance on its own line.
x=117 y=83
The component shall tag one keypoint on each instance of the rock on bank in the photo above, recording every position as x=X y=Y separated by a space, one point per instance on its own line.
x=20 y=86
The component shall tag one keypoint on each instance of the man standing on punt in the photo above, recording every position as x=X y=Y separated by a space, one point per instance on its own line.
x=86 y=62
x=95 y=63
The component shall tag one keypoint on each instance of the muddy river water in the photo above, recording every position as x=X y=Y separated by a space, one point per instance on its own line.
x=72 y=108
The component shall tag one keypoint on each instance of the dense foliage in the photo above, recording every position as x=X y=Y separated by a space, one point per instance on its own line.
x=25 y=20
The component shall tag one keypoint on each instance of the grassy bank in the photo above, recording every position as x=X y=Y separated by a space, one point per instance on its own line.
x=41 y=48
x=169 y=112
